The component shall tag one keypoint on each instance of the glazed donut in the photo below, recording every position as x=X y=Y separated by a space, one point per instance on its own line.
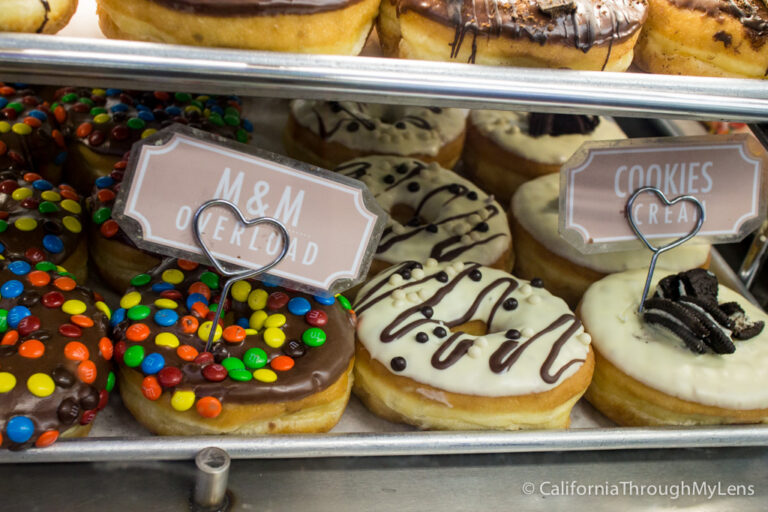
x=464 y=347
x=433 y=213
x=696 y=356
x=29 y=139
x=39 y=16
x=102 y=124
x=705 y=37
x=304 y=26
x=55 y=374
x=506 y=149
x=328 y=133
x=573 y=34
x=41 y=222
x=292 y=375
x=541 y=252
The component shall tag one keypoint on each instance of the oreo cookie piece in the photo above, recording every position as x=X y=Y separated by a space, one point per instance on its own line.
x=679 y=330
x=683 y=315
x=699 y=283
x=711 y=308
x=742 y=328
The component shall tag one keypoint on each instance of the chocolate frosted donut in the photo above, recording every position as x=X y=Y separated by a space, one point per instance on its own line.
x=281 y=362
x=574 y=34
x=54 y=355
x=462 y=346
x=327 y=133
x=42 y=222
x=304 y=26
x=29 y=139
x=434 y=213
x=103 y=124
x=705 y=37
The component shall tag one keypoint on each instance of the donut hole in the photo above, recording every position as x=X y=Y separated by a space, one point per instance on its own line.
x=473 y=327
x=405 y=215
x=387 y=114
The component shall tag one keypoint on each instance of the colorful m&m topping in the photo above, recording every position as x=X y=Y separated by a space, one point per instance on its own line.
x=266 y=336
x=53 y=354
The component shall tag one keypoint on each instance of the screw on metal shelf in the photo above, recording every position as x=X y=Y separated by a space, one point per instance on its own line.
x=210 y=493
x=233 y=276
x=657 y=251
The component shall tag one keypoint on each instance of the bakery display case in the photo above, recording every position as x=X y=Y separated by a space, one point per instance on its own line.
x=366 y=462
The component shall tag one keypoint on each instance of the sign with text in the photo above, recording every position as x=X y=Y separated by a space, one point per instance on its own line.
x=725 y=173
x=333 y=222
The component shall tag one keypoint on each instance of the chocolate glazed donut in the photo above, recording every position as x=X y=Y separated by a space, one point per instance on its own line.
x=281 y=360
x=576 y=34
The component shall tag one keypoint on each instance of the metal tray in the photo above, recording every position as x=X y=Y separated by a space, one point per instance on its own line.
x=58 y=60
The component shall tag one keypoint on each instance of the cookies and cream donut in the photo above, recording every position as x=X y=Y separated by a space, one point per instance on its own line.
x=433 y=213
x=281 y=361
x=102 y=124
x=300 y=26
x=327 y=133
x=55 y=373
x=505 y=149
x=574 y=34
x=462 y=346
x=38 y=16
x=696 y=355
x=541 y=252
x=42 y=222
x=705 y=37
x=29 y=138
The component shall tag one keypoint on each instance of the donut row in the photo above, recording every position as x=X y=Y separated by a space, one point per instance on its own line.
x=706 y=37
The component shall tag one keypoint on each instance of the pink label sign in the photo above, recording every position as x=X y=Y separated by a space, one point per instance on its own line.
x=723 y=172
x=332 y=221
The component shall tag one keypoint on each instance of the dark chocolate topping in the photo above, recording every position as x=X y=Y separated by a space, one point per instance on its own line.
x=560 y=124
x=254 y=7
x=752 y=14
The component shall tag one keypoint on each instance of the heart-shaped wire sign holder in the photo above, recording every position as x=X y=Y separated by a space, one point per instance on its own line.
x=234 y=276
x=657 y=251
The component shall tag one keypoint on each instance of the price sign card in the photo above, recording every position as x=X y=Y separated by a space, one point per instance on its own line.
x=333 y=222
x=725 y=173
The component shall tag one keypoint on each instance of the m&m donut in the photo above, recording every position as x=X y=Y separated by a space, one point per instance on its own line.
x=54 y=355
x=103 y=124
x=42 y=222
x=280 y=361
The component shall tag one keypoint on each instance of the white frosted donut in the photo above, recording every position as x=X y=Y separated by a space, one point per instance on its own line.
x=434 y=213
x=532 y=353
x=329 y=132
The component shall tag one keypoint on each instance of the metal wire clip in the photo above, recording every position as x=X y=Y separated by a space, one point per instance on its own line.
x=233 y=276
x=657 y=251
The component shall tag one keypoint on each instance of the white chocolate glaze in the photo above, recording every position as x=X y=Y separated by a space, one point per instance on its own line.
x=661 y=361
x=535 y=207
x=552 y=344
x=509 y=130
x=457 y=220
x=385 y=129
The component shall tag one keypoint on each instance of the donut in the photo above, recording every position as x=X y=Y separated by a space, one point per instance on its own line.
x=38 y=16
x=42 y=222
x=327 y=133
x=695 y=356
x=541 y=252
x=573 y=34
x=705 y=38
x=281 y=362
x=300 y=26
x=29 y=139
x=433 y=213
x=506 y=149
x=102 y=124
x=464 y=347
x=55 y=372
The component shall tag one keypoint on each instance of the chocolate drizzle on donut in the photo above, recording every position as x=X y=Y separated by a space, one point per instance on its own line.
x=46 y=12
x=686 y=305
x=254 y=7
x=586 y=24
x=352 y=116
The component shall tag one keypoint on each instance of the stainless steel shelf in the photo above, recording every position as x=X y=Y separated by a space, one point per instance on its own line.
x=75 y=61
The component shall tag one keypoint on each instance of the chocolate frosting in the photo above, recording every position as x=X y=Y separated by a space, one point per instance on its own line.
x=72 y=401
x=582 y=24
x=753 y=14
x=254 y=7
x=315 y=367
x=56 y=212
